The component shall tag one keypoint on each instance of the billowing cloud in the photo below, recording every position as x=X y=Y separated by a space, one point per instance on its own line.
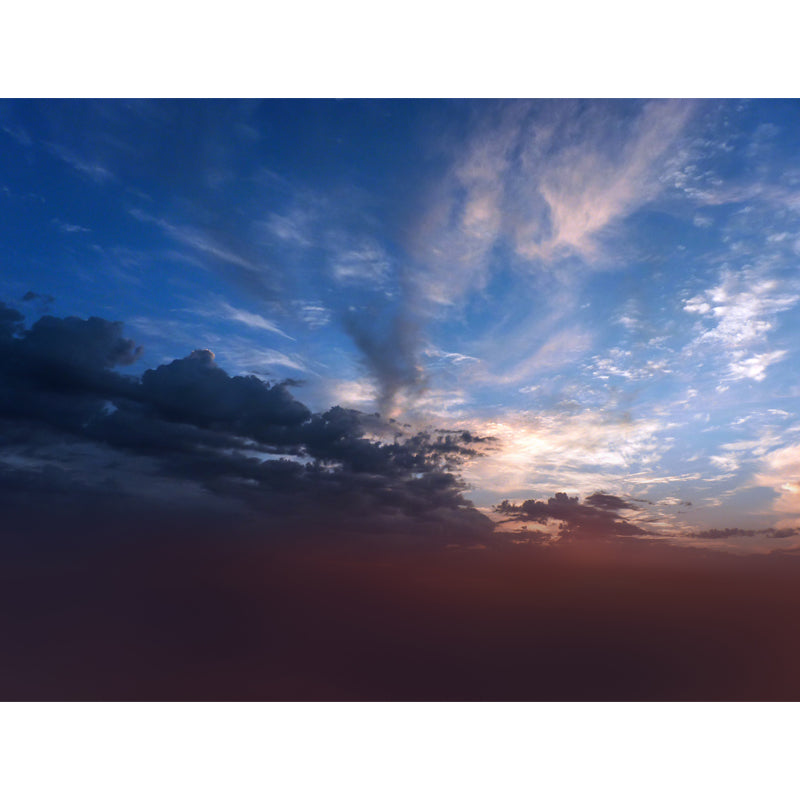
x=237 y=437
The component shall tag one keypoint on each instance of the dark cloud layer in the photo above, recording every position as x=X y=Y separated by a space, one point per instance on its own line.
x=730 y=533
x=237 y=438
x=597 y=517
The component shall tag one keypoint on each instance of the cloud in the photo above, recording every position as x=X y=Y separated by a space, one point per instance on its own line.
x=617 y=364
x=755 y=367
x=314 y=313
x=11 y=321
x=390 y=351
x=31 y=295
x=560 y=349
x=779 y=470
x=591 y=175
x=292 y=228
x=598 y=517
x=225 y=310
x=547 y=181
x=730 y=533
x=91 y=169
x=536 y=189
x=68 y=227
x=239 y=438
x=576 y=450
x=738 y=315
x=18 y=133
x=741 y=309
x=365 y=263
x=197 y=240
x=249 y=358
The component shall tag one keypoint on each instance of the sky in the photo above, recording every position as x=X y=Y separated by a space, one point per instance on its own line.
x=534 y=319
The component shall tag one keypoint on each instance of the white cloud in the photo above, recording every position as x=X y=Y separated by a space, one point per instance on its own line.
x=313 y=313
x=621 y=363
x=222 y=310
x=266 y=357
x=740 y=308
x=453 y=358
x=755 y=367
x=780 y=471
x=292 y=228
x=727 y=462
x=366 y=263
x=67 y=227
x=361 y=393
x=251 y=320
x=738 y=314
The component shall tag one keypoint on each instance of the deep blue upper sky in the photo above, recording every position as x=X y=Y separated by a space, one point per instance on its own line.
x=608 y=288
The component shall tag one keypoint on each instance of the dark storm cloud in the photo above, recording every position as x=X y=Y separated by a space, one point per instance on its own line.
x=239 y=438
x=596 y=518
x=608 y=502
x=729 y=533
x=196 y=391
x=60 y=371
x=10 y=321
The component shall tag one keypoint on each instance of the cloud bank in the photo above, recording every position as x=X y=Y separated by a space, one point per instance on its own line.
x=237 y=439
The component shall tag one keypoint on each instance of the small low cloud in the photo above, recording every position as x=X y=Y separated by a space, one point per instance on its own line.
x=30 y=296
x=597 y=517
x=755 y=367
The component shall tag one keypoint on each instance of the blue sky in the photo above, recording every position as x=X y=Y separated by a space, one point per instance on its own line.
x=609 y=289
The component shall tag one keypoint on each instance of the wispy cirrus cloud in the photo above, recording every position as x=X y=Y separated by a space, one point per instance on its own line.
x=558 y=350
x=364 y=263
x=545 y=183
x=250 y=319
x=18 y=133
x=69 y=227
x=198 y=241
x=94 y=170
